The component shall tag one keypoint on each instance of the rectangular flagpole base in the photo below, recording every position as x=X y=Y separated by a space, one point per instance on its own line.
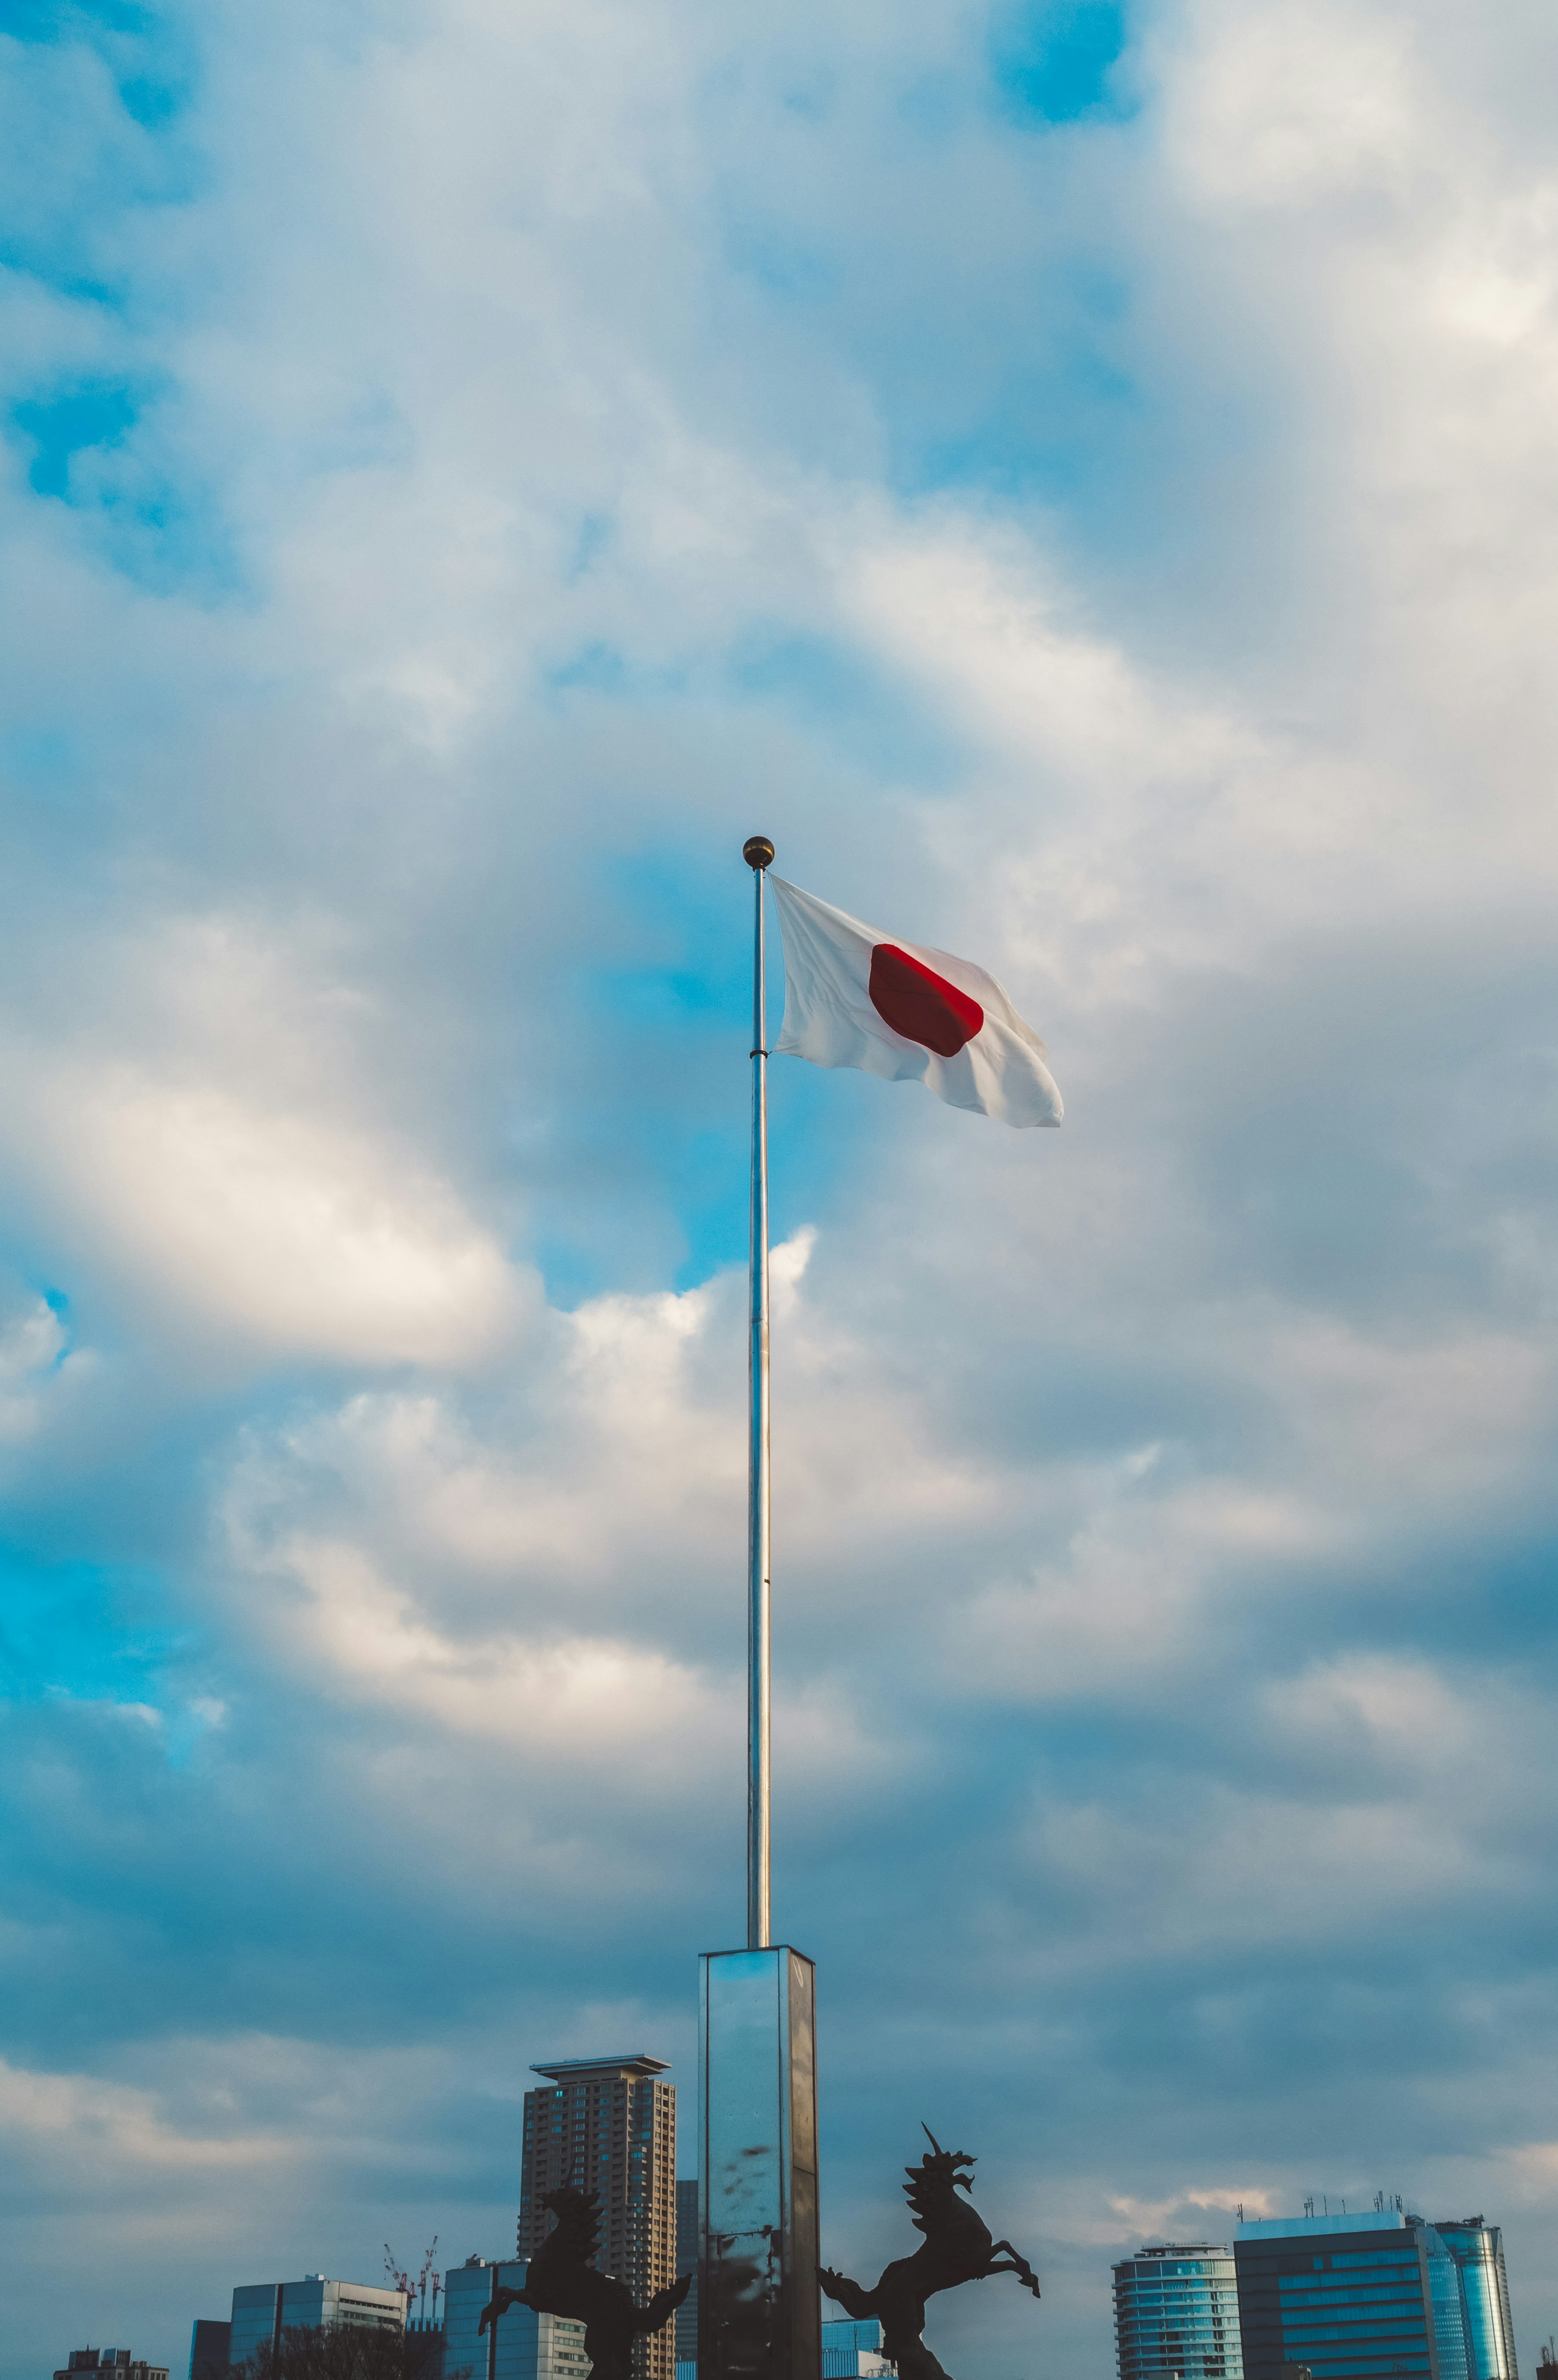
x=758 y=2309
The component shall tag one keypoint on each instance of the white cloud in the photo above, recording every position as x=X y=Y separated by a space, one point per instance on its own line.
x=93 y=2137
x=204 y=1129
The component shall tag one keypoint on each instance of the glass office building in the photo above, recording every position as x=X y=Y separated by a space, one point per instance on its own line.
x=1176 y=2310
x=1478 y=2251
x=1347 y=2294
x=1374 y=2297
x=261 y=2312
x=209 y=2350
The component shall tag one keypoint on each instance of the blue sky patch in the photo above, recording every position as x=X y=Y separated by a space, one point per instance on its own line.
x=81 y=1629
x=149 y=62
x=97 y=413
x=58 y=21
x=159 y=533
x=1053 y=63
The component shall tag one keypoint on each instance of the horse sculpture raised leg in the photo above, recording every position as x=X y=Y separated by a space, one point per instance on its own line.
x=956 y=2248
x=562 y=2279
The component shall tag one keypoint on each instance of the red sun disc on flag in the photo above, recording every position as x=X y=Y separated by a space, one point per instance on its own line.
x=921 y=1004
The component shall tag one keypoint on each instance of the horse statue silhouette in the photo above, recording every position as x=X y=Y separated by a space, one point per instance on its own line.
x=562 y=2279
x=956 y=2248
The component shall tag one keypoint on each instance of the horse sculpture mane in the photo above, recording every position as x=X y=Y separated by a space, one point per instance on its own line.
x=931 y=2182
x=956 y=2247
x=575 y=2236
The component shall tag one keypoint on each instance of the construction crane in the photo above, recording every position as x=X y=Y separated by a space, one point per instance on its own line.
x=397 y=2279
x=427 y=2268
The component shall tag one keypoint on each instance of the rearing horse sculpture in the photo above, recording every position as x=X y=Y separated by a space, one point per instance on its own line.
x=956 y=2248
x=562 y=2279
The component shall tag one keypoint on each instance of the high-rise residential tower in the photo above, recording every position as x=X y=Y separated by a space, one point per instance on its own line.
x=609 y=2124
x=1176 y=2310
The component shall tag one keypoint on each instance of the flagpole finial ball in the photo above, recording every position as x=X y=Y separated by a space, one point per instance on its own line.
x=757 y=851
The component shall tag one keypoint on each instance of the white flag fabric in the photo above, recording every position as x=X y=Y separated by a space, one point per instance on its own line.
x=855 y=997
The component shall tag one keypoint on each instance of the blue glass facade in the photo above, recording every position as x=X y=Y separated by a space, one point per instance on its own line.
x=263 y=2310
x=1478 y=2251
x=1347 y=2295
x=852 y=2351
x=1176 y=2310
x=1446 y=2309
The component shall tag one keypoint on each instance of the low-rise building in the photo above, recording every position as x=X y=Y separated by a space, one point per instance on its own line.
x=116 y=2360
x=852 y=2351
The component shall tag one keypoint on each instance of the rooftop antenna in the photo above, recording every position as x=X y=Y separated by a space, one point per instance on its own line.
x=1309 y=2205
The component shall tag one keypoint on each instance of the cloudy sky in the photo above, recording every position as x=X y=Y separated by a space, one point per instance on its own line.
x=1082 y=479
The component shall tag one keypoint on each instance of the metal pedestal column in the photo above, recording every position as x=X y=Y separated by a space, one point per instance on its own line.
x=759 y=2308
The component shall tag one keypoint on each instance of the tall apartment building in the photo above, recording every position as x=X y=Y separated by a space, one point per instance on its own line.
x=609 y=2124
x=1383 y=2296
x=1176 y=2310
x=261 y=2312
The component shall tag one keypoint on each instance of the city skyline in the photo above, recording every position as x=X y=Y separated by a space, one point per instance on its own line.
x=1370 y=2295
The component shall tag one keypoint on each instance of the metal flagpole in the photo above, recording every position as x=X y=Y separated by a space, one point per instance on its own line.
x=759 y=2303
x=756 y=853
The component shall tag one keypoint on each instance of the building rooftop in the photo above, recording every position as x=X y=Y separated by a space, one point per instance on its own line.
x=1305 y=2227
x=1184 y=2248
x=634 y=2069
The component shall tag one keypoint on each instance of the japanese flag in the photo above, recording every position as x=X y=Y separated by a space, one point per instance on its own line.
x=855 y=997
